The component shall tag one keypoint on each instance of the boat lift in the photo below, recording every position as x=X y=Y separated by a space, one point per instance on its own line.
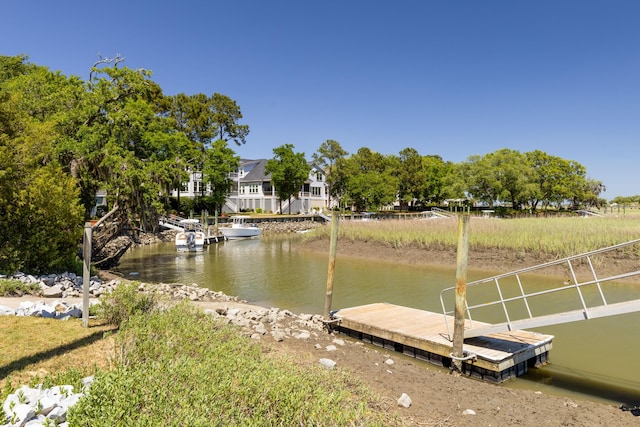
x=583 y=294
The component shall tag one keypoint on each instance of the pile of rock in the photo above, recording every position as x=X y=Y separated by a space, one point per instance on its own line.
x=277 y=227
x=178 y=291
x=69 y=285
x=279 y=324
x=54 y=310
x=30 y=406
x=65 y=285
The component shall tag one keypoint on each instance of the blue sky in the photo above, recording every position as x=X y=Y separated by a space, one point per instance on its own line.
x=452 y=78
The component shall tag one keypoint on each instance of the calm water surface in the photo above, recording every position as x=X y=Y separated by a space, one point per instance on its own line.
x=596 y=357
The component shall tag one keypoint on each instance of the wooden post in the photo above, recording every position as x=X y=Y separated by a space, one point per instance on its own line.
x=332 y=263
x=86 y=272
x=461 y=289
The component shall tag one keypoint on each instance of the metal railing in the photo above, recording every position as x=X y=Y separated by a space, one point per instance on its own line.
x=597 y=306
x=174 y=222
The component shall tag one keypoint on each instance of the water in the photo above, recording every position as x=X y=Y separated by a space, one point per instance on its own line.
x=595 y=358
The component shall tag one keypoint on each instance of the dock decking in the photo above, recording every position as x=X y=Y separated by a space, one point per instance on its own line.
x=423 y=334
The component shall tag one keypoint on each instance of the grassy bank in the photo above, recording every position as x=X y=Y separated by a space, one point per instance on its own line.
x=549 y=237
x=177 y=366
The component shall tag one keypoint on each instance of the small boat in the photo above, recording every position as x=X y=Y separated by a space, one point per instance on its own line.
x=240 y=229
x=191 y=239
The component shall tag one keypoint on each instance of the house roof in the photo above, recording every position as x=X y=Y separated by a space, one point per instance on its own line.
x=254 y=170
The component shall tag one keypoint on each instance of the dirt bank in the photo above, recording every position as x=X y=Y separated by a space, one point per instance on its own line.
x=440 y=398
x=479 y=259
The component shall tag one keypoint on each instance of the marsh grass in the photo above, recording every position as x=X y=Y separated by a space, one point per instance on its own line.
x=552 y=237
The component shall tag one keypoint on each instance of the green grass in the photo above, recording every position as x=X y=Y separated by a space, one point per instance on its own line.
x=37 y=350
x=553 y=237
x=181 y=367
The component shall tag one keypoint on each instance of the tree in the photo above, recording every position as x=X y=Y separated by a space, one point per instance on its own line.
x=226 y=114
x=39 y=204
x=369 y=179
x=555 y=178
x=440 y=180
x=288 y=171
x=411 y=176
x=327 y=157
x=220 y=162
x=481 y=182
x=205 y=119
x=514 y=174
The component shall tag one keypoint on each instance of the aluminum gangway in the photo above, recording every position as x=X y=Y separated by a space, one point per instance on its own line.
x=177 y=223
x=520 y=303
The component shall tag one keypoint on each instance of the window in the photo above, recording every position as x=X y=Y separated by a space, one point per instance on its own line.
x=316 y=191
x=197 y=186
x=319 y=177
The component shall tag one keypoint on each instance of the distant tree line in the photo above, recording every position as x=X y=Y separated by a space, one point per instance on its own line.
x=64 y=138
x=369 y=180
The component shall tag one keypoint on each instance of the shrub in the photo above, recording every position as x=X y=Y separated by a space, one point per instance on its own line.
x=124 y=302
x=182 y=367
x=16 y=288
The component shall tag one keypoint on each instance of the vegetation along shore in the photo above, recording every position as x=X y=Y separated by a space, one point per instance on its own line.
x=258 y=379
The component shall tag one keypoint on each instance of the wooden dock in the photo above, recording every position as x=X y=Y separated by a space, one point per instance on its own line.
x=423 y=334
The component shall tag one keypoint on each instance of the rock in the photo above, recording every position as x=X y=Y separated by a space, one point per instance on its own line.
x=54 y=291
x=304 y=335
x=22 y=413
x=328 y=363
x=278 y=335
x=331 y=348
x=389 y=362
x=6 y=311
x=47 y=404
x=58 y=414
x=260 y=328
x=338 y=341
x=404 y=400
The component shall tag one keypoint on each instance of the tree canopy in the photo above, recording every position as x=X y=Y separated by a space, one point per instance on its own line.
x=62 y=139
x=67 y=138
x=288 y=171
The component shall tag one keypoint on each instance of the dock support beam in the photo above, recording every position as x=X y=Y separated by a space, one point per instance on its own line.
x=86 y=272
x=461 y=290
x=332 y=263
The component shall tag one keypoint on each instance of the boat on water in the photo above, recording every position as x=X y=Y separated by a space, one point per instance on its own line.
x=240 y=229
x=192 y=239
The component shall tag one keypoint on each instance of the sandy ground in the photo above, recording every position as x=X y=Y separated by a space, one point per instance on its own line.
x=439 y=397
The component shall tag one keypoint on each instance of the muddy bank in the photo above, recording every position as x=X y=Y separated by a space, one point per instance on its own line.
x=491 y=260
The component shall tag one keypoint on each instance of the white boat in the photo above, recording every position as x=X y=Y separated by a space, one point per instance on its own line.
x=240 y=229
x=191 y=239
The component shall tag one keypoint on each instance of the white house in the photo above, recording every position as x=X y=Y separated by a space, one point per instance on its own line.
x=252 y=190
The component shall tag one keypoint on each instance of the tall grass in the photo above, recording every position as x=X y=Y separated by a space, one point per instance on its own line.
x=553 y=237
x=181 y=367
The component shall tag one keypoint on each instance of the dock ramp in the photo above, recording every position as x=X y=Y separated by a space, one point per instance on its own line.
x=513 y=301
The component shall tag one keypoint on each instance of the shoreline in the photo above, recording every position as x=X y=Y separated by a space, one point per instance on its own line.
x=439 y=398
x=492 y=261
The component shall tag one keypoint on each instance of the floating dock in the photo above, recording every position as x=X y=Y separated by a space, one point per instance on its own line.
x=422 y=334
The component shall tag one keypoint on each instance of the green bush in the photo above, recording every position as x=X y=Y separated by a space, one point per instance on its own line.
x=181 y=367
x=124 y=302
x=15 y=288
